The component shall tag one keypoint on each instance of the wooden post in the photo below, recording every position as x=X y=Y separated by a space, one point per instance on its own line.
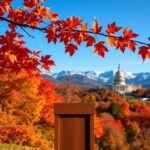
x=74 y=126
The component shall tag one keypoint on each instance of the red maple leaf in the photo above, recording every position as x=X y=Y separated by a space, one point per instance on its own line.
x=128 y=34
x=111 y=41
x=78 y=37
x=144 y=52
x=53 y=16
x=100 y=48
x=72 y=22
x=75 y=21
x=18 y=15
x=83 y=27
x=112 y=28
x=71 y=48
x=132 y=45
x=83 y=33
x=96 y=28
x=46 y=62
x=42 y=12
x=30 y=3
x=36 y=53
x=51 y=34
x=90 y=41
x=65 y=37
x=120 y=43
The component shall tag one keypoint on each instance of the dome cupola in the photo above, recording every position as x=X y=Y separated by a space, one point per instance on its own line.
x=119 y=77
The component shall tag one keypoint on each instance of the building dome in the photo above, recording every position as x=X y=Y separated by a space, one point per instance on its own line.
x=119 y=78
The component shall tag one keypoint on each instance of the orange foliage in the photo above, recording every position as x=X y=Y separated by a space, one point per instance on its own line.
x=114 y=135
x=142 y=93
x=125 y=108
x=24 y=102
x=48 y=90
x=29 y=99
x=22 y=134
x=132 y=130
x=109 y=124
x=98 y=131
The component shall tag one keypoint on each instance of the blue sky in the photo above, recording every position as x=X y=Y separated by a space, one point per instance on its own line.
x=133 y=14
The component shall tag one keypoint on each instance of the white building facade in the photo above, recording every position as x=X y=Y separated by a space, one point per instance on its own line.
x=120 y=86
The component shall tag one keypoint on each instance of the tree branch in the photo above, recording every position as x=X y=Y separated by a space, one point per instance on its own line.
x=45 y=28
x=27 y=32
x=22 y=25
x=106 y=35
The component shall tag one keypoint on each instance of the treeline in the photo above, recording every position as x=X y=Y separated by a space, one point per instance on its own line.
x=144 y=92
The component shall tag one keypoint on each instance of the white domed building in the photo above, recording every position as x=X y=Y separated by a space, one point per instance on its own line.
x=120 y=86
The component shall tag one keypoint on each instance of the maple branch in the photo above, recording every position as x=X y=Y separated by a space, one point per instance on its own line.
x=23 y=25
x=27 y=33
x=106 y=35
x=45 y=28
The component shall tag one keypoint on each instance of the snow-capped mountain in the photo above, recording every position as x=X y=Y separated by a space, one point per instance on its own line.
x=96 y=78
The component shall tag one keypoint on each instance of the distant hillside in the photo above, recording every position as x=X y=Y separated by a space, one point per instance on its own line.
x=91 y=78
x=74 y=79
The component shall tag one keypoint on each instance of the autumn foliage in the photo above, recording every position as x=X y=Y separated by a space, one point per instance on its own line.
x=120 y=122
x=72 y=32
x=144 y=92
x=25 y=103
x=26 y=110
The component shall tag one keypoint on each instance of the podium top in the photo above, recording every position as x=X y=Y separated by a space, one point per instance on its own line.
x=74 y=109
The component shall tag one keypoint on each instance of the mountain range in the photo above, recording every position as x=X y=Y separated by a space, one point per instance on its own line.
x=93 y=78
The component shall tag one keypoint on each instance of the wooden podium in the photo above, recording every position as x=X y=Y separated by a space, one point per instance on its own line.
x=74 y=126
